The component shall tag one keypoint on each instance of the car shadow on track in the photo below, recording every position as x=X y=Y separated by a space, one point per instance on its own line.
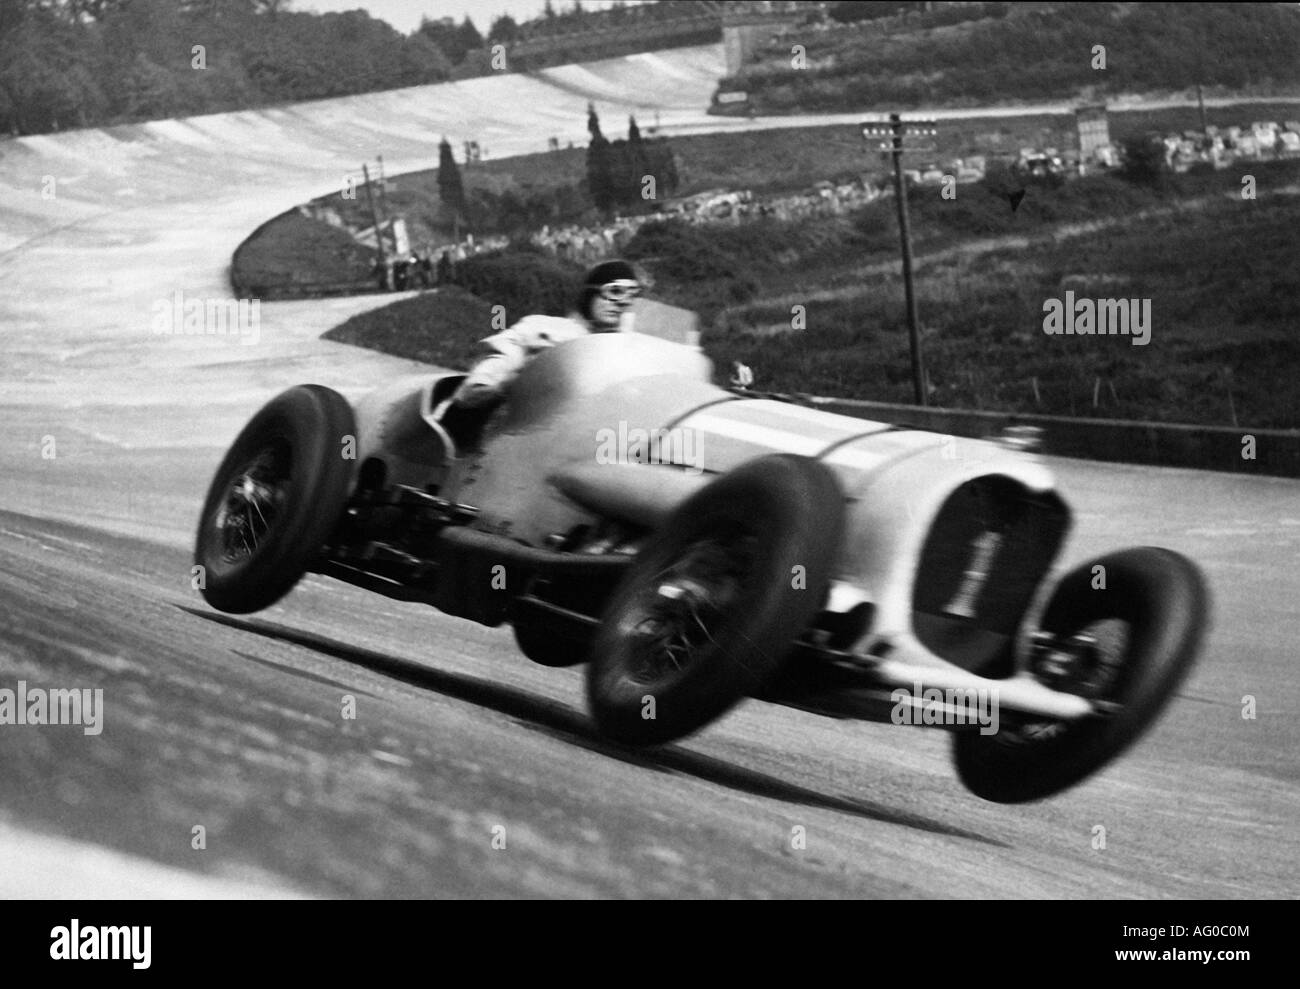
x=563 y=722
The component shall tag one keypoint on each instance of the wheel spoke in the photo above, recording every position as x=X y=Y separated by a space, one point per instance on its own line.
x=703 y=628
x=248 y=514
x=254 y=503
x=702 y=580
x=671 y=653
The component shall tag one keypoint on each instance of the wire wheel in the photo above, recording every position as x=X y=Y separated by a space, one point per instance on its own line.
x=254 y=500
x=1126 y=646
x=275 y=500
x=715 y=600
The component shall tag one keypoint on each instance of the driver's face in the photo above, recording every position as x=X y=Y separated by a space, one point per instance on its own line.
x=610 y=303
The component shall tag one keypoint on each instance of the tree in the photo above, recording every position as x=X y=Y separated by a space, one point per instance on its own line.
x=600 y=177
x=46 y=77
x=505 y=30
x=218 y=10
x=419 y=61
x=637 y=164
x=156 y=29
x=601 y=182
x=151 y=91
x=450 y=189
x=468 y=36
x=450 y=38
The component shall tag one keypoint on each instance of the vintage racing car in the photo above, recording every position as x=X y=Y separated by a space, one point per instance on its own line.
x=696 y=546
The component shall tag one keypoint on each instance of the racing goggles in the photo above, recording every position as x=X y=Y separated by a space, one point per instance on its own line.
x=624 y=290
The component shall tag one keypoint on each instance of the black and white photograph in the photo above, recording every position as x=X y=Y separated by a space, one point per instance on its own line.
x=683 y=450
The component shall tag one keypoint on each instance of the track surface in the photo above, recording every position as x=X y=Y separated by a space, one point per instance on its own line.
x=234 y=724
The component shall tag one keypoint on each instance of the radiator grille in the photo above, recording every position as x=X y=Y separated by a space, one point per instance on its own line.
x=985 y=555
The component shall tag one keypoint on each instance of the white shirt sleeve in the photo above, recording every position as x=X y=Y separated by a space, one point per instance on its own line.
x=512 y=349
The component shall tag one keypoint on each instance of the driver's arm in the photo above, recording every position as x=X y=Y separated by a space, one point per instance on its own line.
x=489 y=379
x=492 y=376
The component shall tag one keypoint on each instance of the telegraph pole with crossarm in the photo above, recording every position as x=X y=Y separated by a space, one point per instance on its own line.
x=895 y=131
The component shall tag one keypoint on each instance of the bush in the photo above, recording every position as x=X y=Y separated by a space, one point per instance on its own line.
x=524 y=283
x=690 y=269
x=1144 y=160
x=680 y=251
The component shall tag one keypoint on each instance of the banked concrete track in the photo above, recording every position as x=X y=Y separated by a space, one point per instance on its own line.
x=111 y=433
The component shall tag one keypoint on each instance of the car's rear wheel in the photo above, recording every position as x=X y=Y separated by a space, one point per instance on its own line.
x=275 y=500
x=715 y=599
x=1122 y=630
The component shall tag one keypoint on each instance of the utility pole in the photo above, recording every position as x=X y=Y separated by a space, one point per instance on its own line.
x=374 y=215
x=383 y=192
x=895 y=132
x=384 y=211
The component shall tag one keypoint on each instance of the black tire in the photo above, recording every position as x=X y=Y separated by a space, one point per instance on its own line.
x=275 y=500
x=1156 y=602
x=728 y=556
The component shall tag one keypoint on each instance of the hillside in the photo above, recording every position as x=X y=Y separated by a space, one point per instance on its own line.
x=1219 y=273
x=1023 y=53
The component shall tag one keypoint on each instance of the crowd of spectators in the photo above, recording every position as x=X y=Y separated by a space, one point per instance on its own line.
x=433 y=266
x=588 y=244
x=1216 y=147
x=1220 y=146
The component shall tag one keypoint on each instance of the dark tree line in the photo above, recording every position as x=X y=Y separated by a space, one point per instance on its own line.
x=453 y=40
x=82 y=63
x=627 y=173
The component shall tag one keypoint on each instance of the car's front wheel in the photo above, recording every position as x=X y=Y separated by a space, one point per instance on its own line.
x=715 y=599
x=275 y=499
x=1122 y=630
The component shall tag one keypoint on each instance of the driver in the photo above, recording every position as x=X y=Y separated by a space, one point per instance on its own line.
x=607 y=294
